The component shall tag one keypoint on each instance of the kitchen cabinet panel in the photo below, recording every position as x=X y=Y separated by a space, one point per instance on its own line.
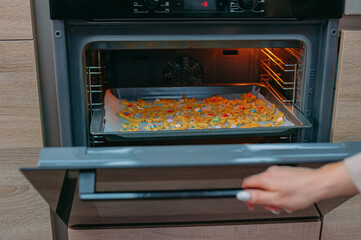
x=296 y=230
x=347 y=114
x=19 y=103
x=343 y=222
x=23 y=213
x=15 y=19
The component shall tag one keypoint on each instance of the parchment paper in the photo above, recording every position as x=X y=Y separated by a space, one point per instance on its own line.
x=112 y=106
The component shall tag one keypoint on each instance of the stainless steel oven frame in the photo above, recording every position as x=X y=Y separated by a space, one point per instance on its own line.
x=70 y=39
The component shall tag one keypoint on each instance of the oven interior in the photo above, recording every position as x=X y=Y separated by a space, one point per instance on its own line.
x=279 y=66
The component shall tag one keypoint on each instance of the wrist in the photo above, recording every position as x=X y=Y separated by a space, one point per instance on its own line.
x=332 y=181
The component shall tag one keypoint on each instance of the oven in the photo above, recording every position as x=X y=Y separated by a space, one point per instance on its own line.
x=113 y=55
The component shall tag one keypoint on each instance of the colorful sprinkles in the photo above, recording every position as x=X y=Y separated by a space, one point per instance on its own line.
x=211 y=113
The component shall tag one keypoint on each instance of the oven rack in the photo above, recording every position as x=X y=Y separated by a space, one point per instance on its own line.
x=95 y=86
x=95 y=97
x=281 y=77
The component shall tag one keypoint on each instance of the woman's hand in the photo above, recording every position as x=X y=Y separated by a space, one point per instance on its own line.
x=293 y=188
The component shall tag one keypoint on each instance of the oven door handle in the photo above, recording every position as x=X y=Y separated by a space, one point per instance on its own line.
x=87 y=192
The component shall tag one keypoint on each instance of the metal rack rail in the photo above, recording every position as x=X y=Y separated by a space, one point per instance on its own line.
x=280 y=76
x=96 y=91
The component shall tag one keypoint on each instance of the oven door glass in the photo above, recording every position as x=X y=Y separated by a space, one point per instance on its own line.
x=167 y=184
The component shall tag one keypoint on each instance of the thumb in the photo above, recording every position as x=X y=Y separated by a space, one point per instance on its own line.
x=256 y=196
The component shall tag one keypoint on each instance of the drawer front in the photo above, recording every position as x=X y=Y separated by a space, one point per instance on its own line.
x=346 y=119
x=128 y=211
x=286 y=231
x=166 y=184
x=19 y=108
x=15 y=19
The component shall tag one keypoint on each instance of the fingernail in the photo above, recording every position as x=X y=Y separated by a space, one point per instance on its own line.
x=275 y=212
x=243 y=196
x=288 y=210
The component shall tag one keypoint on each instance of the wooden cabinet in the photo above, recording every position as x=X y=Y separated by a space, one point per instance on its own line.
x=15 y=20
x=344 y=221
x=23 y=213
x=264 y=231
x=347 y=113
x=19 y=103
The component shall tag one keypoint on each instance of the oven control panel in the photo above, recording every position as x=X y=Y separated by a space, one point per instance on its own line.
x=118 y=10
x=199 y=7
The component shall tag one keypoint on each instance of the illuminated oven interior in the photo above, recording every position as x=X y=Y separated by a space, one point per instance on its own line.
x=280 y=69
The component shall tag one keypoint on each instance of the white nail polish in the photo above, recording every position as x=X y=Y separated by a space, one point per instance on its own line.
x=243 y=196
x=275 y=212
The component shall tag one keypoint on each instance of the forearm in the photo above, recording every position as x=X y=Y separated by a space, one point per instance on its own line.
x=332 y=180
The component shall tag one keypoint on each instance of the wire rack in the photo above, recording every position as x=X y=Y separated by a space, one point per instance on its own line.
x=95 y=89
x=281 y=76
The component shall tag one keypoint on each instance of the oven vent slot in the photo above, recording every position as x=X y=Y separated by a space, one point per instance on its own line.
x=280 y=75
x=183 y=71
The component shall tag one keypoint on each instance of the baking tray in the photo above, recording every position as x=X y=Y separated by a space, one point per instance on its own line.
x=106 y=122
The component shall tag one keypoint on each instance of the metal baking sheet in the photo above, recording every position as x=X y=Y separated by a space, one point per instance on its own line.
x=106 y=122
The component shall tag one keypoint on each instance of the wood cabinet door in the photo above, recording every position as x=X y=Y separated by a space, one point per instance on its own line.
x=347 y=111
x=19 y=103
x=344 y=221
x=23 y=212
x=15 y=20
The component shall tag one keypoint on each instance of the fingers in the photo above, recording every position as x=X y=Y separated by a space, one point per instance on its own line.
x=263 y=197
x=250 y=206
x=287 y=210
x=268 y=200
x=255 y=181
x=272 y=209
x=276 y=210
x=256 y=196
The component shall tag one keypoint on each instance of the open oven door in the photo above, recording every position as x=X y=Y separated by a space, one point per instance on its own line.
x=168 y=184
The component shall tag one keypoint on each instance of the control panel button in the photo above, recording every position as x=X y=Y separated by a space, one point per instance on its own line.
x=152 y=4
x=234 y=7
x=247 y=4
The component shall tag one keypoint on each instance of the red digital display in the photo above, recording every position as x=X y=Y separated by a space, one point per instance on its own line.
x=204 y=4
x=200 y=5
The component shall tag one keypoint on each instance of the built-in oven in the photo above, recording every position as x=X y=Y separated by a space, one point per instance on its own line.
x=165 y=106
